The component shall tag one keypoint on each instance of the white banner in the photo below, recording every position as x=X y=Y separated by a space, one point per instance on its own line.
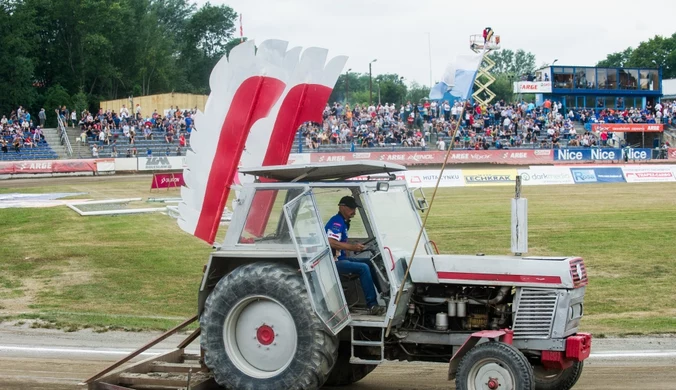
x=533 y=87
x=298 y=158
x=649 y=173
x=546 y=175
x=164 y=163
x=428 y=178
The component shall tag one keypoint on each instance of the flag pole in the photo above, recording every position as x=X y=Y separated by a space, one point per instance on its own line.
x=429 y=208
x=241 y=31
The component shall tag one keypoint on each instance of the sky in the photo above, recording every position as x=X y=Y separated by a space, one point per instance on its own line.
x=401 y=35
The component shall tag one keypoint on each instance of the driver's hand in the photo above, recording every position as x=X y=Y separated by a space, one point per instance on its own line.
x=358 y=247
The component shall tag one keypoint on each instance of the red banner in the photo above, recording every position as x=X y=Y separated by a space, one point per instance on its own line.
x=629 y=127
x=672 y=153
x=167 y=180
x=47 y=166
x=511 y=157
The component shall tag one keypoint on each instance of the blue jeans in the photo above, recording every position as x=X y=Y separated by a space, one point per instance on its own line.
x=362 y=268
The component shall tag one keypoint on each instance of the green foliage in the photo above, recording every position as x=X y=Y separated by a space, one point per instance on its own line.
x=656 y=52
x=17 y=61
x=512 y=63
x=79 y=101
x=392 y=88
x=417 y=93
x=107 y=49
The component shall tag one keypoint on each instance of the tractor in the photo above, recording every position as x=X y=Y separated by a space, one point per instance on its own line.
x=275 y=314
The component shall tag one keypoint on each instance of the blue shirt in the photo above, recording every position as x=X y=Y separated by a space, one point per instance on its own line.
x=336 y=228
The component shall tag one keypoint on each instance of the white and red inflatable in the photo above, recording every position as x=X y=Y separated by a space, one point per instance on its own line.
x=259 y=97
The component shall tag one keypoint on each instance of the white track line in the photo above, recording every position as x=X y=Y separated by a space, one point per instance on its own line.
x=12 y=348
x=598 y=355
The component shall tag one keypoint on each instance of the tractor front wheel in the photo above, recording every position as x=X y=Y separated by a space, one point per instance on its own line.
x=494 y=366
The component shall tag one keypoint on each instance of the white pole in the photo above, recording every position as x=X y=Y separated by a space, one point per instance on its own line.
x=429 y=46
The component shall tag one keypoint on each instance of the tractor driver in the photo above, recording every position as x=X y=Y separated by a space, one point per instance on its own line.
x=336 y=229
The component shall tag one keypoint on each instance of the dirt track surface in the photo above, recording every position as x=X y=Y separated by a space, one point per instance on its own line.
x=52 y=359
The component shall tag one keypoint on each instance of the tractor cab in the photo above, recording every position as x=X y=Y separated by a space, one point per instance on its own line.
x=284 y=212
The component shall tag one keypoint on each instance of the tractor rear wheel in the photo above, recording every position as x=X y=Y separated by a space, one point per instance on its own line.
x=494 y=366
x=344 y=373
x=557 y=379
x=259 y=331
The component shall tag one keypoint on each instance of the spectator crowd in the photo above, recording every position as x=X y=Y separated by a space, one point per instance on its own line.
x=109 y=131
x=19 y=131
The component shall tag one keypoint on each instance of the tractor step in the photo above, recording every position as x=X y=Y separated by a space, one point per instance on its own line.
x=368 y=347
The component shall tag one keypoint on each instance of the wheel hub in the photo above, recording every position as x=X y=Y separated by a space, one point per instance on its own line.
x=260 y=337
x=491 y=375
x=493 y=383
x=265 y=335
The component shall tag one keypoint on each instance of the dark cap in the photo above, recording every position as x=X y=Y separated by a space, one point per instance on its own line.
x=349 y=202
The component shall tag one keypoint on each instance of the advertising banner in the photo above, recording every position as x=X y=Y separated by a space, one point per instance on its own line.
x=167 y=180
x=161 y=163
x=510 y=157
x=489 y=177
x=428 y=178
x=648 y=174
x=628 y=127
x=597 y=175
x=533 y=87
x=47 y=166
x=672 y=154
x=601 y=154
x=546 y=175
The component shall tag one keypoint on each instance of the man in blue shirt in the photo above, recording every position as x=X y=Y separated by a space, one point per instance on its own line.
x=336 y=229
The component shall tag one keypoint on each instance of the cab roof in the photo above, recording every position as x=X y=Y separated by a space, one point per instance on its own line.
x=335 y=171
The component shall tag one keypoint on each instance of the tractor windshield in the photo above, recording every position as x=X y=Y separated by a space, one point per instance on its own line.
x=397 y=221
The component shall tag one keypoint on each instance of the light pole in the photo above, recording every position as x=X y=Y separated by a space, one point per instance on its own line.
x=401 y=80
x=429 y=46
x=371 y=83
x=347 y=85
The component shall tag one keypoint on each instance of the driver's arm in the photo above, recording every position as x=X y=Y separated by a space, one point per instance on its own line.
x=345 y=246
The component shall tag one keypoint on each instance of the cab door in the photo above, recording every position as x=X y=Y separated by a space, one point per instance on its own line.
x=316 y=261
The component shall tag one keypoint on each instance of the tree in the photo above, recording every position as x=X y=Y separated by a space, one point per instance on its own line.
x=514 y=63
x=616 y=60
x=417 y=93
x=208 y=37
x=17 y=81
x=657 y=52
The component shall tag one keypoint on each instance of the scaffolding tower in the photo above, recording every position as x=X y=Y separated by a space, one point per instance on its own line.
x=483 y=95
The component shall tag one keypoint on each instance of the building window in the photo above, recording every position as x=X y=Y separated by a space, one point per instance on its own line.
x=585 y=78
x=628 y=79
x=570 y=102
x=649 y=80
x=602 y=75
x=610 y=102
x=563 y=78
x=620 y=102
x=600 y=103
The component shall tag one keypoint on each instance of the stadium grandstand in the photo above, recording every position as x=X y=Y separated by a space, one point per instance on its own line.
x=426 y=125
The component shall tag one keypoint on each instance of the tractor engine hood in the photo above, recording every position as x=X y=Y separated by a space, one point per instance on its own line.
x=549 y=272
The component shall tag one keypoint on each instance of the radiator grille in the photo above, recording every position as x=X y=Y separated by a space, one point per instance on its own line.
x=579 y=272
x=534 y=314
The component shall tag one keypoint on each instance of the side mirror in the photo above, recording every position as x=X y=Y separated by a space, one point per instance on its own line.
x=382 y=186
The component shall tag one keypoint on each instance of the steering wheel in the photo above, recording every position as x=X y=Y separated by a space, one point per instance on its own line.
x=368 y=245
